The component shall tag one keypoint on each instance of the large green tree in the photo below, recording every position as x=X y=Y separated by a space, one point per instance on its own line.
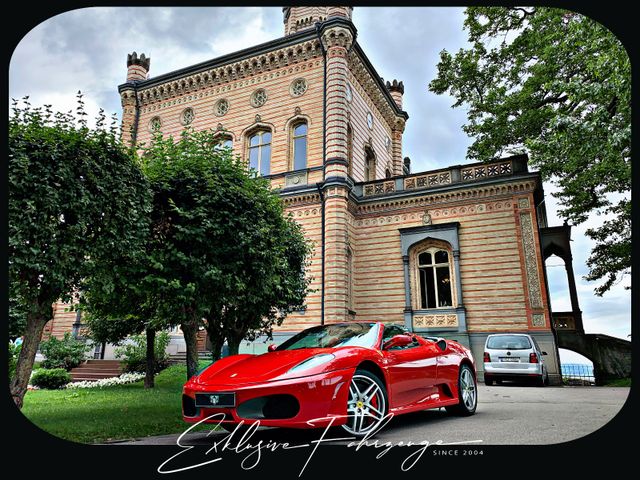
x=77 y=197
x=556 y=85
x=223 y=254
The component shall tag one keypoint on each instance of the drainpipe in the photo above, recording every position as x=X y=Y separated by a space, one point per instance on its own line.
x=136 y=121
x=319 y=185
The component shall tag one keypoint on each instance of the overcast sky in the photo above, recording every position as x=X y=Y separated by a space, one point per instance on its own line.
x=86 y=50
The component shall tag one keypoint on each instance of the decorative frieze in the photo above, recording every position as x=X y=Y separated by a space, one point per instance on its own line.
x=486 y=171
x=236 y=71
x=438 y=320
x=530 y=260
x=537 y=320
x=393 y=204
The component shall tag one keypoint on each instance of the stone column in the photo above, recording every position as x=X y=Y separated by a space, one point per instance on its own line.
x=336 y=40
x=573 y=293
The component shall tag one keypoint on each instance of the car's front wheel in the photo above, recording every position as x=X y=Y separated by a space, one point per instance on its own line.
x=367 y=404
x=467 y=393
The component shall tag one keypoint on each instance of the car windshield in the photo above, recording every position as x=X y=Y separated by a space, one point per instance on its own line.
x=331 y=336
x=508 y=342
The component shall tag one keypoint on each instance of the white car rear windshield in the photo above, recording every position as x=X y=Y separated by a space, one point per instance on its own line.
x=508 y=342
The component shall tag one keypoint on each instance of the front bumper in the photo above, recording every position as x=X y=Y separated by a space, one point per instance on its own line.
x=320 y=398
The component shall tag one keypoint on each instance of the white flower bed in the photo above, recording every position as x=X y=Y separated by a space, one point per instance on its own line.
x=108 y=382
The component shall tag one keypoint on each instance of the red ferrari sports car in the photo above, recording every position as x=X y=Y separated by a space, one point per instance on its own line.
x=349 y=374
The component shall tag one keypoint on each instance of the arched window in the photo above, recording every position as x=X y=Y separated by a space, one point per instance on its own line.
x=369 y=165
x=434 y=279
x=387 y=173
x=260 y=151
x=299 y=145
x=223 y=141
x=349 y=150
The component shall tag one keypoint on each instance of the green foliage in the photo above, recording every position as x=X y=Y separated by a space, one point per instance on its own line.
x=14 y=351
x=134 y=354
x=77 y=202
x=50 y=379
x=17 y=317
x=557 y=85
x=66 y=353
x=221 y=245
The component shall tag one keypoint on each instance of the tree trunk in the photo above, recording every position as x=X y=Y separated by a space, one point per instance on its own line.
x=216 y=347
x=151 y=358
x=234 y=344
x=36 y=320
x=190 y=332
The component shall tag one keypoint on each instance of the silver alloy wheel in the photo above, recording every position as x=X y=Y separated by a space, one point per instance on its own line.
x=366 y=406
x=468 y=388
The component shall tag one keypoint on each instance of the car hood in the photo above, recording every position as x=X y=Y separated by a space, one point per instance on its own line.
x=258 y=368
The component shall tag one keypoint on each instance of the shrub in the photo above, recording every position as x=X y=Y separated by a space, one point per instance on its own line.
x=66 y=353
x=134 y=355
x=50 y=379
x=14 y=352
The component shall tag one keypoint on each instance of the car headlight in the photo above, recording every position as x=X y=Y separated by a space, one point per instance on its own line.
x=312 y=362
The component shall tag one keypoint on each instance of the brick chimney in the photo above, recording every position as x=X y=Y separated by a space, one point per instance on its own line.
x=137 y=67
x=396 y=89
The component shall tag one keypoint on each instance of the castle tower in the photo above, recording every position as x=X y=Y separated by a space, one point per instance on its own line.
x=137 y=67
x=396 y=89
x=137 y=70
x=297 y=19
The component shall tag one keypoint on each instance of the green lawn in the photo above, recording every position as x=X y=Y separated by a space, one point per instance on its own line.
x=621 y=382
x=112 y=413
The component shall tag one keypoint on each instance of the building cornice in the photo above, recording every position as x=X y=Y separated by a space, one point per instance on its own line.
x=364 y=71
x=237 y=66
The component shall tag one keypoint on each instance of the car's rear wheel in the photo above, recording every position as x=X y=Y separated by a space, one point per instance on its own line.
x=467 y=393
x=367 y=404
x=488 y=381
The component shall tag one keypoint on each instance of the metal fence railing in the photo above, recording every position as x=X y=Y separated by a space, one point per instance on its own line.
x=578 y=374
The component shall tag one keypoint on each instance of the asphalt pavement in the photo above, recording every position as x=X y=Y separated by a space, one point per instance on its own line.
x=506 y=415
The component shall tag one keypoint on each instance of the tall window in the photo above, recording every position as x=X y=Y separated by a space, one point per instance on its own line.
x=260 y=152
x=434 y=273
x=349 y=150
x=369 y=165
x=299 y=140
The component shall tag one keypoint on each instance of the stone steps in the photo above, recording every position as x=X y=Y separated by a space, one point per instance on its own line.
x=92 y=370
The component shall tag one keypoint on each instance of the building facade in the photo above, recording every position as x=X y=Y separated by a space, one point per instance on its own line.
x=455 y=252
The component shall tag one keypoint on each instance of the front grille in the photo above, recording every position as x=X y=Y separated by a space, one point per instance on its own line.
x=271 y=407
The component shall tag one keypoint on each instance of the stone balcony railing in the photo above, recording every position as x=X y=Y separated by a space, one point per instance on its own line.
x=444 y=177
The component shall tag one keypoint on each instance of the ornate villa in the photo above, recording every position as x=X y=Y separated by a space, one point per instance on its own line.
x=457 y=252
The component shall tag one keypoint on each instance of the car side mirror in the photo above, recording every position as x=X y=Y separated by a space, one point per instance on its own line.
x=398 y=341
x=272 y=348
x=544 y=353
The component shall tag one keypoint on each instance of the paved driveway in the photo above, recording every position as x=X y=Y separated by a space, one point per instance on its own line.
x=506 y=415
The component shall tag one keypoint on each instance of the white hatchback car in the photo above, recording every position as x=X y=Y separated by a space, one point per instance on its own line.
x=514 y=356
